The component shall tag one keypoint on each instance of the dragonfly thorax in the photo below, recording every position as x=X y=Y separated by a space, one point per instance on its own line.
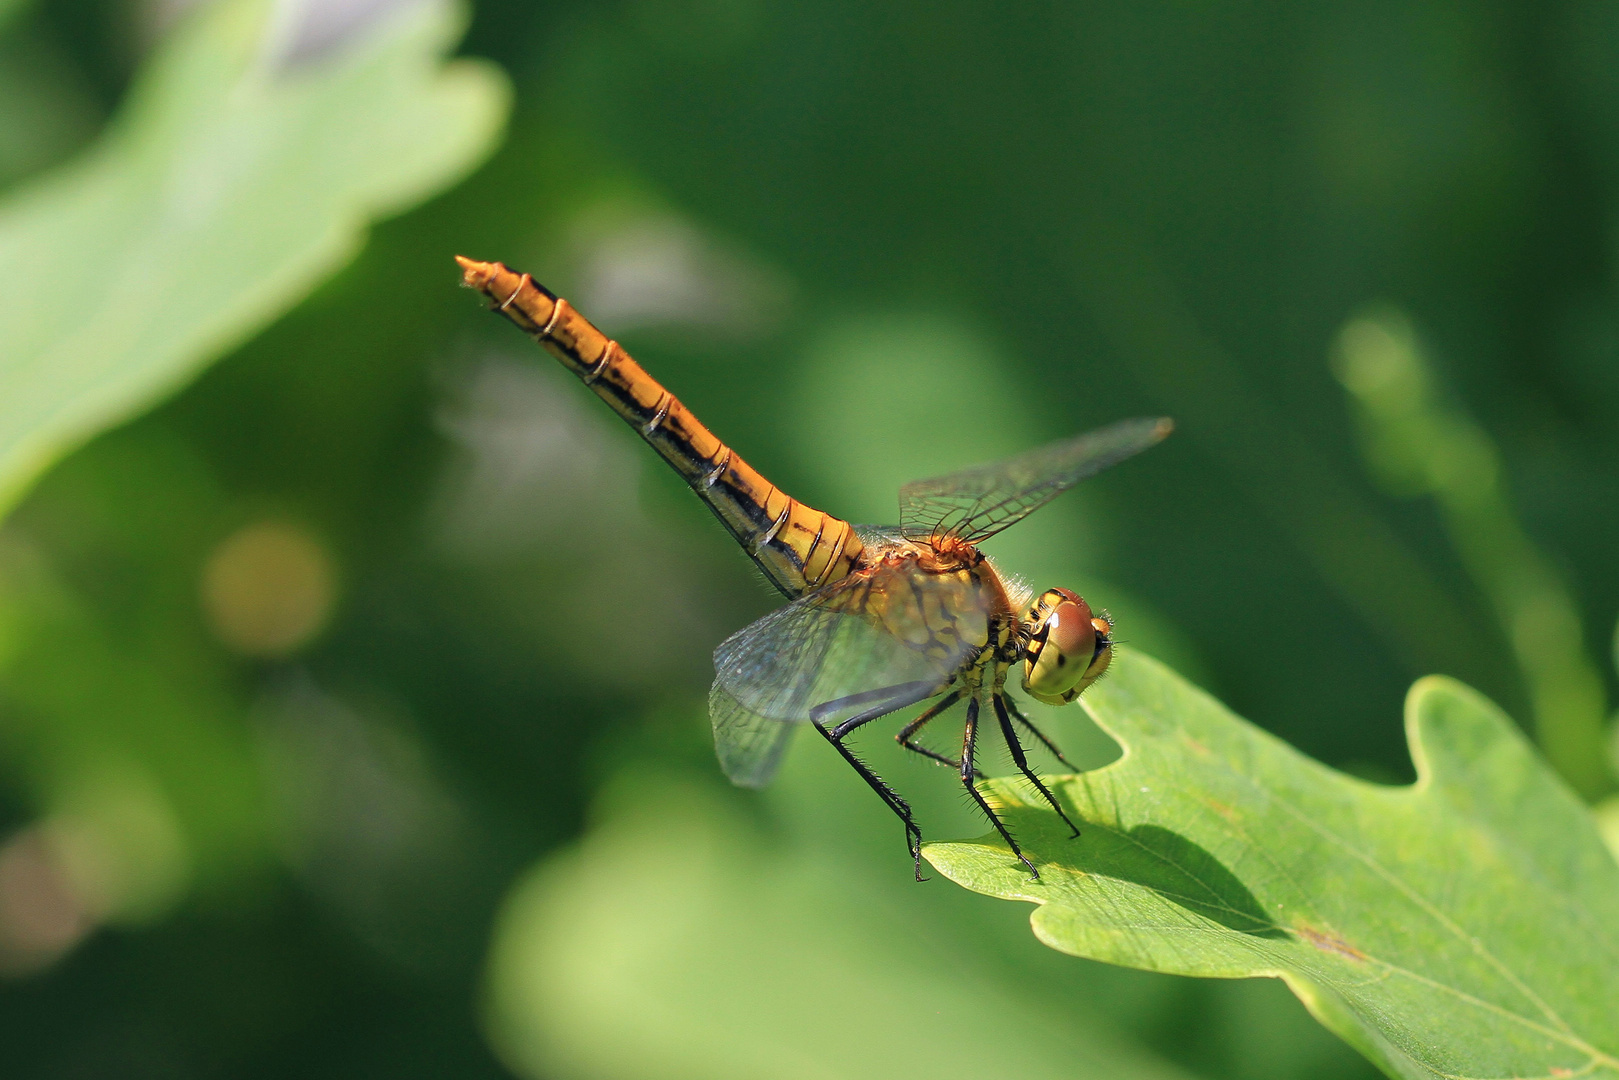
x=1069 y=647
x=948 y=553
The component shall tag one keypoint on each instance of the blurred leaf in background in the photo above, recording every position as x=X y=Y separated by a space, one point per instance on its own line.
x=243 y=168
x=731 y=955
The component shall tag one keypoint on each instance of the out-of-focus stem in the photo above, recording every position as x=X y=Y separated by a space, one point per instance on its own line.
x=1420 y=443
x=1613 y=723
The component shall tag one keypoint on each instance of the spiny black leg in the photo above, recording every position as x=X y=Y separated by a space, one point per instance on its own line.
x=904 y=737
x=902 y=809
x=969 y=742
x=1022 y=762
x=1037 y=733
x=827 y=708
x=906 y=695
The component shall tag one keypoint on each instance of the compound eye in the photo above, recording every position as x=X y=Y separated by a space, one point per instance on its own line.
x=1062 y=652
x=1073 y=632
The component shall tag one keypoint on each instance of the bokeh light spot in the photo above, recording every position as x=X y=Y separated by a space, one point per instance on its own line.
x=41 y=915
x=268 y=588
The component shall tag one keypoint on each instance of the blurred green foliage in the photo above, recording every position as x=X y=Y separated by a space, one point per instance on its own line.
x=379 y=627
x=239 y=173
x=1419 y=446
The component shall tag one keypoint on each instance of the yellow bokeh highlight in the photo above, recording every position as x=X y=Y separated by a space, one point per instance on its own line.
x=268 y=589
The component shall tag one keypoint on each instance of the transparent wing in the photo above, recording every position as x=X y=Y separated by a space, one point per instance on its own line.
x=977 y=503
x=877 y=636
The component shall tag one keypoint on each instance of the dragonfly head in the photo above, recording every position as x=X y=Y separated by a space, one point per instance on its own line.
x=1069 y=647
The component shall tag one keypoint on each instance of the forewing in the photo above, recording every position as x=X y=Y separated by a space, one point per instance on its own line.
x=869 y=637
x=977 y=503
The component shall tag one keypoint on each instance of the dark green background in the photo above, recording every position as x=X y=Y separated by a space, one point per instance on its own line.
x=1128 y=207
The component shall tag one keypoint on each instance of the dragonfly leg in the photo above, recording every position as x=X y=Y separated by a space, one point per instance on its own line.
x=1022 y=762
x=901 y=808
x=969 y=743
x=827 y=708
x=904 y=737
x=1017 y=715
x=900 y=697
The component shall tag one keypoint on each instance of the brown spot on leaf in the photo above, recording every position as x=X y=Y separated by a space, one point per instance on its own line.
x=1196 y=747
x=1222 y=809
x=1327 y=942
x=1558 y=1070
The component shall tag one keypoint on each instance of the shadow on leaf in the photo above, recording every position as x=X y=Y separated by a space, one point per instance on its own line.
x=1166 y=862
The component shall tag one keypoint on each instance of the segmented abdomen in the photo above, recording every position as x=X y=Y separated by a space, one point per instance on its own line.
x=798 y=547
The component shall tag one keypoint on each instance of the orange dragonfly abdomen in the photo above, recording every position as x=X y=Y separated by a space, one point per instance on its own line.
x=798 y=547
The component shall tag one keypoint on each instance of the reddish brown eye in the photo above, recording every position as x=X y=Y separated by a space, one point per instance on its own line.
x=1073 y=632
x=1067 y=647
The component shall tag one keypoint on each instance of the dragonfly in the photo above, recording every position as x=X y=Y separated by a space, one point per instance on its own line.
x=880 y=619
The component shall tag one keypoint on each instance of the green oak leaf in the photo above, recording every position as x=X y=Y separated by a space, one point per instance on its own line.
x=236 y=177
x=1464 y=926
